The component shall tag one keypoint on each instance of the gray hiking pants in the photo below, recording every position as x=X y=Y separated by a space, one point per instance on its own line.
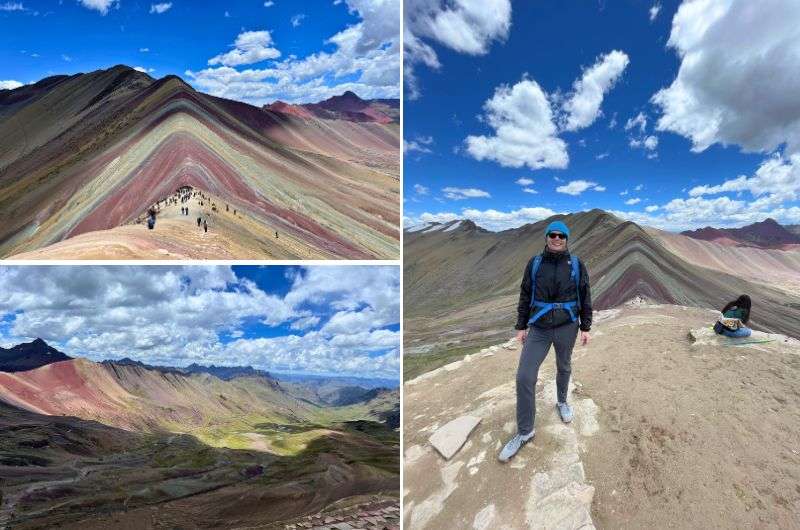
x=533 y=353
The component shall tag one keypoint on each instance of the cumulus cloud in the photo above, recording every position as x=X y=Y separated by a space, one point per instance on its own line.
x=12 y=6
x=100 y=5
x=576 y=187
x=524 y=129
x=730 y=90
x=464 y=193
x=365 y=58
x=143 y=69
x=776 y=180
x=419 y=189
x=177 y=315
x=524 y=181
x=9 y=84
x=250 y=47
x=525 y=118
x=583 y=106
x=465 y=26
x=160 y=8
x=491 y=219
x=632 y=201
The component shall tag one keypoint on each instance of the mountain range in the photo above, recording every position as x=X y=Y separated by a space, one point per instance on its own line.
x=28 y=356
x=83 y=158
x=765 y=234
x=80 y=439
x=461 y=282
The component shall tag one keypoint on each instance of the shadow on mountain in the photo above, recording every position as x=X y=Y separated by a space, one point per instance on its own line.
x=68 y=472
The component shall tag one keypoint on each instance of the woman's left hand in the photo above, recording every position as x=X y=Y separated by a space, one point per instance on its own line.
x=585 y=337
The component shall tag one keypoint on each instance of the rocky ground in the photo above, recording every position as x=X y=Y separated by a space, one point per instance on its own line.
x=674 y=427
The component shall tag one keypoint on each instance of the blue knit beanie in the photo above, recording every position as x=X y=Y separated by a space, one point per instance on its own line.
x=557 y=226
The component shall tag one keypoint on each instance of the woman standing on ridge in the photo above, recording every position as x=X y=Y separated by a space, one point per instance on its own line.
x=554 y=301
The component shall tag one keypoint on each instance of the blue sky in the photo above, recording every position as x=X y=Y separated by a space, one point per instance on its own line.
x=255 y=50
x=519 y=110
x=326 y=320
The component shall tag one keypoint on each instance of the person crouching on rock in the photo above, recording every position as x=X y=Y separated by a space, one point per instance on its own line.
x=734 y=317
x=554 y=301
x=151 y=219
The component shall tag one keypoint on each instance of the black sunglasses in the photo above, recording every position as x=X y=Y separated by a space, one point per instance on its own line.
x=553 y=235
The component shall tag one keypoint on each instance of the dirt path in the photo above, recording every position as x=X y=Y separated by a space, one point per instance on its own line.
x=668 y=433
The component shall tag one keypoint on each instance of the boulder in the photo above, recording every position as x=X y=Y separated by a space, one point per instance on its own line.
x=449 y=438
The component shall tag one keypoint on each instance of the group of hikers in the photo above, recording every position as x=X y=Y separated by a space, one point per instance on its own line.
x=555 y=304
x=183 y=195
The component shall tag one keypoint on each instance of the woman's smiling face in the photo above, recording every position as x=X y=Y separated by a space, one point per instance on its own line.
x=556 y=243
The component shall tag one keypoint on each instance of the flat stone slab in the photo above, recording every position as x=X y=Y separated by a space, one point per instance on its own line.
x=449 y=438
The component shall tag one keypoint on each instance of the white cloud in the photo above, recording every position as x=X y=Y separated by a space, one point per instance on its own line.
x=12 y=6
x=601 y=156
x=227 y=14
x=66 y=58
x=583 y=107
x=269 y=3
x=576 y=187
x=100 y=5
x=730 y=90
x=640 y=120
x=529 y=190
x=639 y=187
x=143 y=69
x=305 y=322
x=144 y=50
x=296 y=20
x=524 y=181
x=465 y=26
x=365 y=59
x=652 y=208
x=524 y=117
x=623 y=193
x=250 y=47
x=489 y=219
x=419 y=189
x=776 y=180
x=9 y=84
x=525 y=133
x=631 y=202
x=160 y=8
x=464 y=193
x=176 y=315
x=420 y=144
x=654 y=11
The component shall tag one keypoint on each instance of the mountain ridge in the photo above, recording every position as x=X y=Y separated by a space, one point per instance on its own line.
x=97 y=149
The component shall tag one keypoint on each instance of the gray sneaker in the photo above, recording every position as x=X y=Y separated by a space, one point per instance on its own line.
x=514 y=445
x=565 y=411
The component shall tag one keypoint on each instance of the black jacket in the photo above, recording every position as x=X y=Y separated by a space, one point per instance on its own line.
x=554 y=284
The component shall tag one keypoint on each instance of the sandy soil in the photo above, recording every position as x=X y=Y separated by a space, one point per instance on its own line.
x=177 y=236
x=669 y=433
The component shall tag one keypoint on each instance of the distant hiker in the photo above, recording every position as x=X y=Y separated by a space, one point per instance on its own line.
x=734 y=317
x=151 y=219
x=554 y=301
x=205 y=227
x=234 y=211
x=276 y=234
x=199 y=220
x=226 y=208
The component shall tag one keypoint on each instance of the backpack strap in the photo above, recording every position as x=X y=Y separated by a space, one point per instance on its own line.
x=576 y=275
x=537 y=262
x=545 y=307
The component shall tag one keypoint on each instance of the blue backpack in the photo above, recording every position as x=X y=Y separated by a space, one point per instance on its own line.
x=572 y=306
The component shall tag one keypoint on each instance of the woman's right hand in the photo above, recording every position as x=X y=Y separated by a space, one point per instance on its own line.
x=522 y=334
